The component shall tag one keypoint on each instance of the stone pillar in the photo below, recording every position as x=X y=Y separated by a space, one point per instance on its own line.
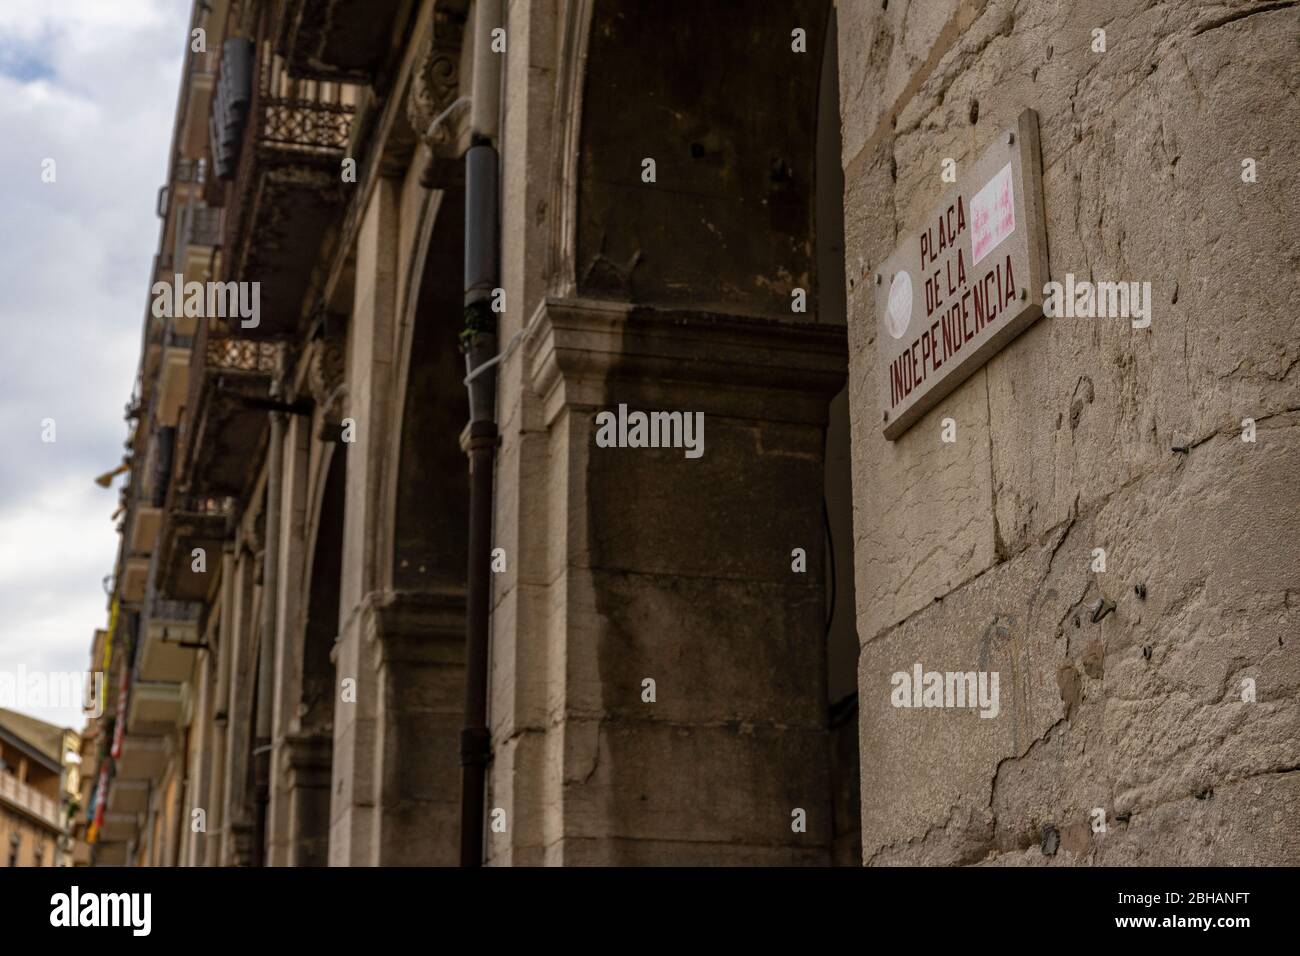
x=541 y=62
x=268 y=629
x=679 y=571
x=305 y=768
x=200 y=757
x=289 y=630
x=226 y=632
x=419 y=658
x=370 y=385
x=237 y=807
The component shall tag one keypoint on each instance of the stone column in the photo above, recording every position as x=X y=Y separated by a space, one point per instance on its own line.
x=370 y=384
x=237 y=804
x=678 y=571
x=289 y=630
x=200 y=758
x=305 y=767
x=419 y=659
x=226 y=631
x=267 y=635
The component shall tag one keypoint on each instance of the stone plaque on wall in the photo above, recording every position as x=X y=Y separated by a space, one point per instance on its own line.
x=967 y=282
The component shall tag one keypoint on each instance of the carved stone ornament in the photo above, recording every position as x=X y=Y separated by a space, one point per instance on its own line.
x=325 y=372
x=435 y=84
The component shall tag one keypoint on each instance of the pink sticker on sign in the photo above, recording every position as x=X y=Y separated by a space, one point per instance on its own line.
x=993 y=214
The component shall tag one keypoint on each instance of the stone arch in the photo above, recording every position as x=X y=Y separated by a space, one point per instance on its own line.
x=427 y=498
x=673 y=298
x=321 y=621
x=419 y=625
x=728 y=112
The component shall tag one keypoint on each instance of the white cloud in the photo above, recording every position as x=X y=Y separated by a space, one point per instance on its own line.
x=92 y=85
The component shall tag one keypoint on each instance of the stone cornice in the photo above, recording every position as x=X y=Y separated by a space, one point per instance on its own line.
x=418 y=627
x=594 y=353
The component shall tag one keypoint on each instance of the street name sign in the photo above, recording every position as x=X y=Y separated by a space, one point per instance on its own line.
x=951 y=295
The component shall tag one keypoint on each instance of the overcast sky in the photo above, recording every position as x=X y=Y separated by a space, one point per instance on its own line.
x=91 y=84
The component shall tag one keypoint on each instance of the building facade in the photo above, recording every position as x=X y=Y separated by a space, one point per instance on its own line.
x=507 y=474
x=39 y=783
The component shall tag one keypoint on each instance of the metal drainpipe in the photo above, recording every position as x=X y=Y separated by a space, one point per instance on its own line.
x=266 y=640
x=479 y=341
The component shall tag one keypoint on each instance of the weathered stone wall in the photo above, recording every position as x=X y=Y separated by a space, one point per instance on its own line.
x=978 y=555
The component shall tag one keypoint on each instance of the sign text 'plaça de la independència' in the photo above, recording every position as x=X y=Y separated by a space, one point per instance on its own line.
x=950 y=296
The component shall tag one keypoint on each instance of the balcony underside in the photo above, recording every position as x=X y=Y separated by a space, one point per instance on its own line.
x=118 y=828
x=185 y=531
x=135 y=577
x=229 y=437
x=129 y=796
x=153 y=709
x=144 y=528
x=293 y=207
x=345 y=40
x=143 y=757
x=167 y=650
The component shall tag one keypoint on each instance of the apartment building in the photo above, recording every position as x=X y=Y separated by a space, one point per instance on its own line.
x=39 y=783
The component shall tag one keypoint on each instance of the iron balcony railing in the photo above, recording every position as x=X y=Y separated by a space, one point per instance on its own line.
x=311 y=119
x=184 y=171
x=215 y=355
x=189 y=170
x=302 y=115
x=201 y=225
x=208 y=506
x=229 y=354
x=288 y=122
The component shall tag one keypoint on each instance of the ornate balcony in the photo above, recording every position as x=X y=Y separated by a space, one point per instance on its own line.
x=202 y=227
x=287 y=193
x=223 y=425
